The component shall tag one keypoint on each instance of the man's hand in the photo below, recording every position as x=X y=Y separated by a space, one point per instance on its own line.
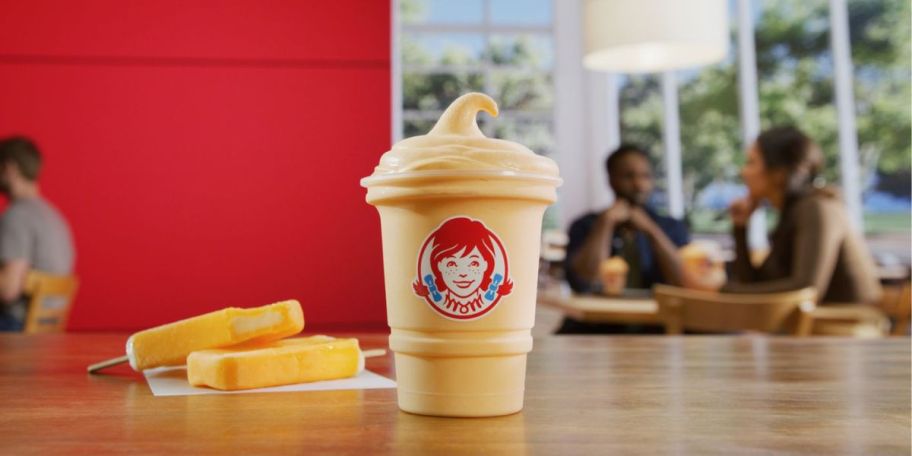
x=741 y=210
x=641 y=220
x=617 y=214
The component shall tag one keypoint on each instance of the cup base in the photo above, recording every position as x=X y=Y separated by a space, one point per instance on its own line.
x=461 y=386
x=460 y=406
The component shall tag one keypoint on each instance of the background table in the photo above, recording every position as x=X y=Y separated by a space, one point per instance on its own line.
x=585 y=395
x=640 y=309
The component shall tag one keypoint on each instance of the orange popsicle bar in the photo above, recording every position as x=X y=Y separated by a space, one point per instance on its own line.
x=169 y=345
x=278 y=363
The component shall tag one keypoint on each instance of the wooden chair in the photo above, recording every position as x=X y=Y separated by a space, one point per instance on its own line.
x=896 y=303
x=903 y=310
x=681 y=309
x=49 y=302
x=849 y=320
x=870 y=321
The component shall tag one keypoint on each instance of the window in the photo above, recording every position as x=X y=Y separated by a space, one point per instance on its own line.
x=506 y=48
x=712 y=149
x=500 y=47
x=879 y=33
x=795 y=75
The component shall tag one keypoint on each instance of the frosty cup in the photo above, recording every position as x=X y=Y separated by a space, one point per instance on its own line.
x=613 y=273
x=460 y=217
x=703 y=263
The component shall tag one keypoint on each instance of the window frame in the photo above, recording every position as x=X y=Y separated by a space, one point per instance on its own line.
x=487 y=29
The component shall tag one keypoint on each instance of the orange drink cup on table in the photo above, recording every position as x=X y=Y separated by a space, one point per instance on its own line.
x=460 y=218
x=613 y=273
x=704 y=267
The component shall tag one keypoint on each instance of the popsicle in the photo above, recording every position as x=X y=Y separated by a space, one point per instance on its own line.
x=169 y=344
x=283 y=362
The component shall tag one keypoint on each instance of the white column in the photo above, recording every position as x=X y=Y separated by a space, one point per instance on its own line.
x=610 y=127
x=603 y=129
x=749 y=107
x=671 y=135
x=845 y=110
x=395 y=73
x=596 y=92
x=613 y=120
x=570 y=111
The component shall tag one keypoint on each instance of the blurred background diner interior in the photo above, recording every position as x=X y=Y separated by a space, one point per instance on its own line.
x=695 y=122
x=521 y=52
x=208 y=156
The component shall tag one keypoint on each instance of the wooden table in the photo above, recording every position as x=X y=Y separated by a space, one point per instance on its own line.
x=585 y=395
x=602 y=309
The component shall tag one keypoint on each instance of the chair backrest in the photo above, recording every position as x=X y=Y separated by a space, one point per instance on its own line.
x=682 y=309
x=903 y=311
x=50 y=297
x=896 y=302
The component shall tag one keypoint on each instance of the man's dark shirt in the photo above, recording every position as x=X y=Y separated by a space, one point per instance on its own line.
x=649 y=265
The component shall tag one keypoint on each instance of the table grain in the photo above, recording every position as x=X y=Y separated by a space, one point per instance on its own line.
x=585 y=395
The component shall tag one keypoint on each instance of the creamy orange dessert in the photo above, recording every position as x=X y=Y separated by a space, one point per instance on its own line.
x=170 y=344
x=283 y=362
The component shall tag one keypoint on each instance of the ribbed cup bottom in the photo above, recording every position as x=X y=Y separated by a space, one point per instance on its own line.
x=463 y=386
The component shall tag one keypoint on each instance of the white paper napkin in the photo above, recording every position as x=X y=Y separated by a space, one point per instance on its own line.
x=172 y=381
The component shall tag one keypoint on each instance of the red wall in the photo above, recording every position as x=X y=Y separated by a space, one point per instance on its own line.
x=207 y=153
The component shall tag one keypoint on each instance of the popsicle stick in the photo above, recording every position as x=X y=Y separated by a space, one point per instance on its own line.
x=108 y=363
x=374 y=353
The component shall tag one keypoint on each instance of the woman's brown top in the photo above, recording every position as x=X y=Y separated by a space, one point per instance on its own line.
x=813 y=245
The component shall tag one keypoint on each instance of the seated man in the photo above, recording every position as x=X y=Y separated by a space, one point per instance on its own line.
x=647 y=241
x=33 y=234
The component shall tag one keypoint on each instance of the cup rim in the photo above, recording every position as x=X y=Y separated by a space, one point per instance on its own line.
x=381 y=179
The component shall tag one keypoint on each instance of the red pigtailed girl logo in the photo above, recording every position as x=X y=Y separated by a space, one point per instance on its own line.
x=462 y=269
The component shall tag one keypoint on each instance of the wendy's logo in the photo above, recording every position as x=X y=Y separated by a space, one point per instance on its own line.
x=463 y=269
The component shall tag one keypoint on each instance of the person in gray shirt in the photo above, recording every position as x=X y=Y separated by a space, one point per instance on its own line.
x=33 y=233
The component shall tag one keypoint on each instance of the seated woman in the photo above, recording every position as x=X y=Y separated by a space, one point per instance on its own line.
x=814 y=243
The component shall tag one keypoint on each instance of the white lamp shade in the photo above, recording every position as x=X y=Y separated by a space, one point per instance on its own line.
x=645 y=36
